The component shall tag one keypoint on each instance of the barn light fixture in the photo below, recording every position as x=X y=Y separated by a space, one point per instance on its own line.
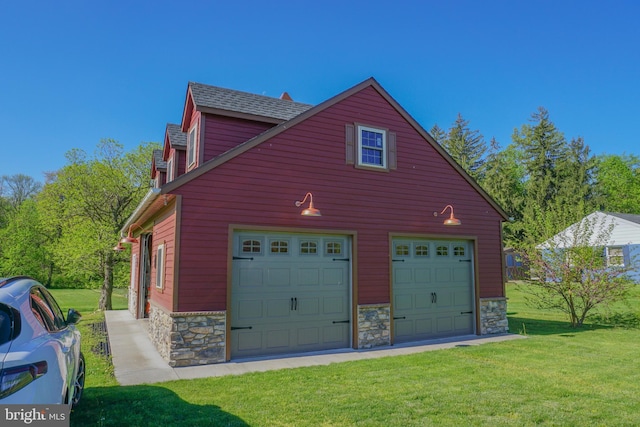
x=451 y=220
x=310 y=211
x=129 y=239
x=118 y=247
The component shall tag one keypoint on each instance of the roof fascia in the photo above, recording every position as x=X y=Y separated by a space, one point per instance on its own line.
x=166 y=148
x=238 y=115
x=149 y=198
x=188 y=109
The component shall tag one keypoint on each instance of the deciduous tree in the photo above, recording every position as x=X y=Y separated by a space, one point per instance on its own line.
x=571 y=273
x=90 y=200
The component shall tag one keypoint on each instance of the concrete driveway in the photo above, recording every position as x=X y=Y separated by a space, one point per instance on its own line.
x=136 y=360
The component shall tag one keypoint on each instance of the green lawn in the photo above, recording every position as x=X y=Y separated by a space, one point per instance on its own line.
x=558 y=376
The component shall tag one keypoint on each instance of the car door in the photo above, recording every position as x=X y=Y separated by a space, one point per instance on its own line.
x=64 y=337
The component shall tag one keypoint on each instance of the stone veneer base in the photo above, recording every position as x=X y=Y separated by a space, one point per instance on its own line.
x=374 y=325
x=199 y=338
x=188 y=339
x=493 y=316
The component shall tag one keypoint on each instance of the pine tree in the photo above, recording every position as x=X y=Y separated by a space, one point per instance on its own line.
x=467 y=147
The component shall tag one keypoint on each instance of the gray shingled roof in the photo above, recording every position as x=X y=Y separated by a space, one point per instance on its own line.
x=628 y=217
x=176 y=136
x=243 y=102
x=157 y=157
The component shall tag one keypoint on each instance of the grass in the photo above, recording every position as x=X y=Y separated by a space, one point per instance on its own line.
x=558 y=376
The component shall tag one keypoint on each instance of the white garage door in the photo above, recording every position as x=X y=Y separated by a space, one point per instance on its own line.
x=432 y=289
x=290 y=293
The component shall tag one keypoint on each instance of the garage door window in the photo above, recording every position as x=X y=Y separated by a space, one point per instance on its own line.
x=442 y=250
x=422 y=250
x=402 y=250
x=251 y=246
x=458 y=251
x=308 y=248
x=279 y=247
x=334 y=248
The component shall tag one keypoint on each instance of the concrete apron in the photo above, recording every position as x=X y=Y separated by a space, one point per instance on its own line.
x=136 y=360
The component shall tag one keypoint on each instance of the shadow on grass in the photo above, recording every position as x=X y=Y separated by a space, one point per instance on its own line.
x=527 y=326
x=146 y=405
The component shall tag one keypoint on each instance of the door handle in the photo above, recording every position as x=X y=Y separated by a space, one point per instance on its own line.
x=296 y=301
x=341 y=321
x=235 y=328
x=291 y=309
x=399 y=317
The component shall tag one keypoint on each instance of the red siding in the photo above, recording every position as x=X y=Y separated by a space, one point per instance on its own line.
x=164 y=233
x=224 y=133
x=260 y=186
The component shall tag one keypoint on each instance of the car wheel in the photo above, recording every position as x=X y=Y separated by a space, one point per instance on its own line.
x=78 y=383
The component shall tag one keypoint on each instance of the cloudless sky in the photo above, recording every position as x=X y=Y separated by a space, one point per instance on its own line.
x=75 y=71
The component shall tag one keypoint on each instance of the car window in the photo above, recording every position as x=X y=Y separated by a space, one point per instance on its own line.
x=55 y=308
x=5 y=324
x=44 y=312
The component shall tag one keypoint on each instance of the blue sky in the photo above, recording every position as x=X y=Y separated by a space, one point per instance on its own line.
x=73 y=72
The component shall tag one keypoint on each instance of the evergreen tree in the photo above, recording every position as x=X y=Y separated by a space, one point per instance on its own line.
x=467 y=147
x=504 y=182
x=542 y=149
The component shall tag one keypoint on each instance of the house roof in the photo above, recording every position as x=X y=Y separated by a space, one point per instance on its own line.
x=157 y=159
x=234 y=101
x=626 y=217
x=177 y=138
x=598 y=229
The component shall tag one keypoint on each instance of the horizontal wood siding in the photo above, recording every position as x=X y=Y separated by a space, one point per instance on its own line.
x=224 y=133
x=163 y=233
x=259 y=187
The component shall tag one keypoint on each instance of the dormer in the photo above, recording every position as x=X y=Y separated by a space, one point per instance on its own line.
x=174 y=151
x=216 y=119
x=158 y=169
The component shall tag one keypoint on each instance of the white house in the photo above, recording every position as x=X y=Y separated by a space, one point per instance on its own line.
x=619 y=233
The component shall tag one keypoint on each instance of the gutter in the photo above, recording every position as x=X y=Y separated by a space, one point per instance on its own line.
x=148 y=199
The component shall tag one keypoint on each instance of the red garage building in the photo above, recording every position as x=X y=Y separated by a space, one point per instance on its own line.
x=227 y=265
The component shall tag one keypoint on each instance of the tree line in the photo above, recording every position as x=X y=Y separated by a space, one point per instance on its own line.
x=63 y=232
x=543 y=181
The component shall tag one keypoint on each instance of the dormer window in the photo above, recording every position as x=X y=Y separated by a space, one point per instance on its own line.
x=191 y=146
x=170 y=170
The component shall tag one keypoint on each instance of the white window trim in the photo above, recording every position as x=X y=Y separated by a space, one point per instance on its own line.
x=191 y=145
x=170 y=169
x=160 y=266
x=359 y=130
x=620 y=256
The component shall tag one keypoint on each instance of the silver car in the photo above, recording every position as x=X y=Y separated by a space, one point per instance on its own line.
x=40 y=358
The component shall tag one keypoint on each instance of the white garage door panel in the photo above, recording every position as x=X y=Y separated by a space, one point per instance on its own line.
x=290 y=293
x=432 y=289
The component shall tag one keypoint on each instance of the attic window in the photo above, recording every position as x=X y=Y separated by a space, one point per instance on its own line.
x=372 y=147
